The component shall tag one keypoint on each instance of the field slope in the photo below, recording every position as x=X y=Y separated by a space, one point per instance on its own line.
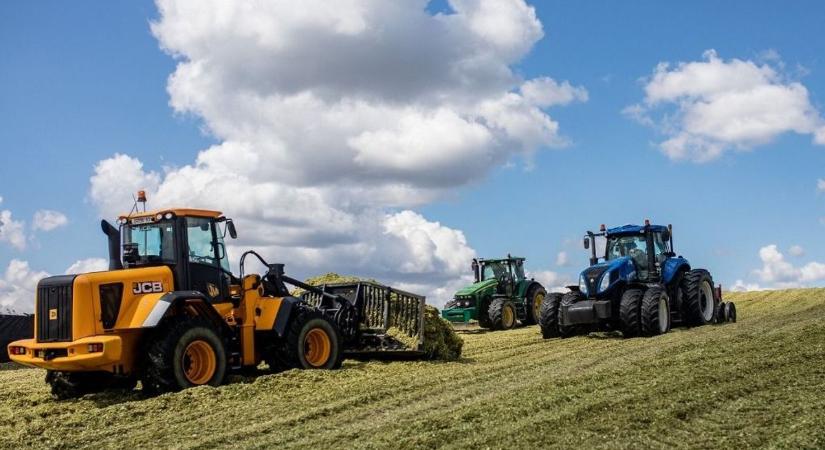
x=757 y=383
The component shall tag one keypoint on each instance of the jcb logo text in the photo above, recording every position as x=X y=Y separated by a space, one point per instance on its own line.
x=147 y=287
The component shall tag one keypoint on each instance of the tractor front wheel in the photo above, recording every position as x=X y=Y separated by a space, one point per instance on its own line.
x=549 y=316
x=533 y=301
x=183 y=353
x=502 y=314
x=630 y=312
x=567 y=300
x=655 y=312
x=483 y=311
x=312 y=342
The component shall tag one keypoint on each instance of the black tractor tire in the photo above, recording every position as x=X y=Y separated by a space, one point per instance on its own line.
x=655 y=311
x=730 y=312
x=66 y=385
x=697 y=309
x=568 y=299
x=311 y=342
x=630 y=312
x=549 y=318
x=183 y=352
x=533 y=303
x=483 y=311
x=502 y=314
x=721 y=312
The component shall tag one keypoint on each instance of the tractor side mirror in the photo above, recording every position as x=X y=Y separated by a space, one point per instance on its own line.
x=586 y=243
x=230 y=226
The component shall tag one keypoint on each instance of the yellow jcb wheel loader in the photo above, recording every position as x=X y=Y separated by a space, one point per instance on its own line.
x=170 y=314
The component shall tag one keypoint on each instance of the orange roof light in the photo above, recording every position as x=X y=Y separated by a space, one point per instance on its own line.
x=141 y=197
x=602 y=227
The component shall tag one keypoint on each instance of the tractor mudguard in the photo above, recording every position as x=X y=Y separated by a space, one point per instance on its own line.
x=288 y=305
x=672 y=267
x=160 y=304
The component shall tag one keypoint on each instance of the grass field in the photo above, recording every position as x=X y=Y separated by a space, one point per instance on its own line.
x=757 y=383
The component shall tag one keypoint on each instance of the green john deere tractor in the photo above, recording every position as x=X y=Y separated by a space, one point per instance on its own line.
x=500 y=297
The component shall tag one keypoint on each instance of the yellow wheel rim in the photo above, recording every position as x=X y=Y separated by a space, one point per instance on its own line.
x=537 y=305
x=317 y=347
x=507 y=316
x=199 y=362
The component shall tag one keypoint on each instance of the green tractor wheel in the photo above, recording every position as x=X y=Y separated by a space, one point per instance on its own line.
x=502 y=314
x=535 y=297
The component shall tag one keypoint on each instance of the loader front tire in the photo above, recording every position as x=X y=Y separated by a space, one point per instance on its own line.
x=549 y=318
x=311 y=342
x=698 y=301
x=655 y=312
x=66 y=385
x=502 y=314
x=630 y=312
x=182 y=353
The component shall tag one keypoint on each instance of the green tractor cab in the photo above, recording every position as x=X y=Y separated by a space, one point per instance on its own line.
x=500 y=297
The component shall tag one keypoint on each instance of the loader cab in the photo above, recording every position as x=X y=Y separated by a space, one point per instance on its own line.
x=190 y=242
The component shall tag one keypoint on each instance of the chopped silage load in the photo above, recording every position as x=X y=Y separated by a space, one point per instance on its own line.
x=440 y=340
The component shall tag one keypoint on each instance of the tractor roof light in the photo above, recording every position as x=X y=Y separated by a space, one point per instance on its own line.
x=168 y=215
x=158 y=216
x=647 y=222
x=141 y=196
x=602 y=227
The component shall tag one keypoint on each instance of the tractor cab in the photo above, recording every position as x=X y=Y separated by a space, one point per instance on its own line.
x=508 y=273
x=188 y=241
x=643 y=250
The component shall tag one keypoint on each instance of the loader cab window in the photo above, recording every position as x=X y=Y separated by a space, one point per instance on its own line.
x=150 y=242
x=200 y=240
x=208 y=266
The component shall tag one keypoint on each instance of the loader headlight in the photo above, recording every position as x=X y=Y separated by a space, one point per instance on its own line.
x=582 y=284
x=605 y=283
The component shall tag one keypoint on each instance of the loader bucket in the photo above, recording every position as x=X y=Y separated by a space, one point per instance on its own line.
x=388 y=320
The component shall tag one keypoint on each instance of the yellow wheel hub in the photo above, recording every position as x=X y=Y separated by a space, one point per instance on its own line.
x=537 y=305
x=507 y=316
x=317 y=347
x=199 y=362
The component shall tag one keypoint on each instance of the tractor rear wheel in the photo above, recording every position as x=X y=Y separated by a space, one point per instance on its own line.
x=698 y=301
x=311 y=342
x=655 y=312
x=567 y=300
x=630 y=312
x=502 y=314
x=721 y=313
x=549 y=316
x=182 y=353
x=730 y=312
x=533 y=302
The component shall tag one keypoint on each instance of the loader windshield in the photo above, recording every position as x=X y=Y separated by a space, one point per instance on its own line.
x=149 y=243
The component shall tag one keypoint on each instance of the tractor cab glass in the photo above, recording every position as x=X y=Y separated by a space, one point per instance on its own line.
x=634 y=246
x=518 y=267
x=493 y=270
x=149 y=243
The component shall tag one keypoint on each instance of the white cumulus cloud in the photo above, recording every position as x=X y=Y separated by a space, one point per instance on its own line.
x=708 y=107
x=820 y=185
x=777 y=272
x=562 y=259
x=552 y=281
x=336 y=119
x=88 y=265
x=47 y=220
x=17 y=286
x=796 y=250
x=12 y=231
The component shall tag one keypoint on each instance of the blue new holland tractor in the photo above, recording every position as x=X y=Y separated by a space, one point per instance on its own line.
x=639 y=287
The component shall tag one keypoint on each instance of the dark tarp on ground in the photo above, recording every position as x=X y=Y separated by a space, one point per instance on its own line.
x=13 y=328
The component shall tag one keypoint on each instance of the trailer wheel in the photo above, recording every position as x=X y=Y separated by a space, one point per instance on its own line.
x=698 y=301
x=549 y=316
x=183 y=353
x=567 y=300
x=532 y=303
x=721 y=312
x=630 y=312
x=655 y=312
x=730 y=312
x=311 y=342
x=502 y=314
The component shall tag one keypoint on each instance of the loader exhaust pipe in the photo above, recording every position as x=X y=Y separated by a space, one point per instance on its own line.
x=113 y=234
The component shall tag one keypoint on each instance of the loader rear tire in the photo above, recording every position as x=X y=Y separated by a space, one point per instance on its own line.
x=698 y=301
x=66 y=385
x=549 y=317
x=568 y=299
x=630 y=312
x=502 y=314
x=655 y=312
x=182 y=353
x=311 y=342
x=533 y=302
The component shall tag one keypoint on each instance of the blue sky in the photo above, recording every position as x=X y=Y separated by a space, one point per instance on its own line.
x=80 y=82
